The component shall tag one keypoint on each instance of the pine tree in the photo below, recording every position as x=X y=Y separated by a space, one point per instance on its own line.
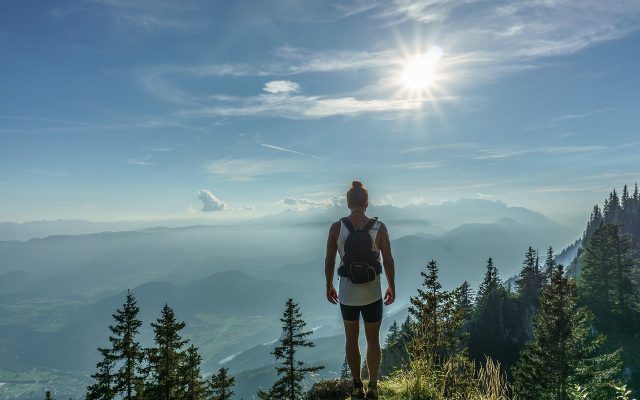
x=103 y=387
x=165 y=358
x=549 y=265
x=624 y=290
x=393 y=335
x=594 y=282
x=191 y=377
x=437 y=330
x=406 y=329
x=626 y=203
x=291 y=372
x=125 y=347
x=464 y=299
x=563 y=350
x=345 y=372
x=594 y=221
x=220 y=385
x=529 y=282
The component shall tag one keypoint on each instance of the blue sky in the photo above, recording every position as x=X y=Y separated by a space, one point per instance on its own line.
x=113 y=109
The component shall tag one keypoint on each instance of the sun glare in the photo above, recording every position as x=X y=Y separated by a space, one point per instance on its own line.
x=420 y=70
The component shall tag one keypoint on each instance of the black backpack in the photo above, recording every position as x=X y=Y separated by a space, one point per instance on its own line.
x=360 y=263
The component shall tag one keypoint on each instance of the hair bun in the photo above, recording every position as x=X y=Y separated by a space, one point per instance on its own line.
x=356 y=184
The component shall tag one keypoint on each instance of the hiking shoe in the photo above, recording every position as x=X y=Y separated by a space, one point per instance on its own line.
x=372 y=392
x=358 y=391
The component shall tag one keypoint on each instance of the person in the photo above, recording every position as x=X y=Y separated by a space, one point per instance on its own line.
x=357 y=299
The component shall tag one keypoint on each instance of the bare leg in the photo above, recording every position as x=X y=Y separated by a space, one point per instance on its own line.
x=352 y=348
x=374 y=354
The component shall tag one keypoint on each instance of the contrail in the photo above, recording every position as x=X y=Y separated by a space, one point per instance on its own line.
x=270 y=146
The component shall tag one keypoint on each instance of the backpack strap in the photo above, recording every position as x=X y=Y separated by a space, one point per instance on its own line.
x=348 y=224
x=370 y=224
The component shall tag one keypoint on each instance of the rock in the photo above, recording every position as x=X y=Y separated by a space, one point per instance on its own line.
x=337 y=389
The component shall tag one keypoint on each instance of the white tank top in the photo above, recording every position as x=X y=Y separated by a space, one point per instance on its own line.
x=351 y=294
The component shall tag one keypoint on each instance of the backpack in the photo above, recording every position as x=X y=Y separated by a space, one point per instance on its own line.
x=360 y=262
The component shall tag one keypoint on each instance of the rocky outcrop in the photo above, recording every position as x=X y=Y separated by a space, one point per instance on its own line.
x=337 y=389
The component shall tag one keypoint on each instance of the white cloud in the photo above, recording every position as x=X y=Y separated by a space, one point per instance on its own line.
x=305 y=204
x=246 y=169
x=281 y=87
x=499 y=152
x=511 y=32
x=144 y=16
x=420 y=165
x=307 y=107
x=484 y=196
x=209 y=201
x=483 y=41
x=142 y=161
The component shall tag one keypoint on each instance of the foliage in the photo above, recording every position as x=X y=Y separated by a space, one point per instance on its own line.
x=291 y=371
x=220 y=385
x=563 y=351
x=455 y=379
x=437 y=331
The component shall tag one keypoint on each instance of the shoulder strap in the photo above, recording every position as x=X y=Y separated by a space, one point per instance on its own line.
x=370 y=224
x=348 y=224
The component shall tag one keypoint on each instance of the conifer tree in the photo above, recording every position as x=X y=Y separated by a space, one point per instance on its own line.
x=345 y=372
x=103 y=387
x=624 y=290
x=549 y=265
x=563 y=350
x=291 y=371
x=626 y=203
x=393 y=335
x=126 y=350
x=406 y=329
x=438 y=323
x=606 y=282
x=594 y=221
x=220 y=385
x=489 y=333
x=190 y=375
x=464 y=299
x=165 y=358
x=529 y=282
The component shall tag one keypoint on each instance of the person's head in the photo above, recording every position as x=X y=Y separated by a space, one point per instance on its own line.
x=357 y=196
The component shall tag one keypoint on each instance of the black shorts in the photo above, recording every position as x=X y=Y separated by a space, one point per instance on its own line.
x=370 y=313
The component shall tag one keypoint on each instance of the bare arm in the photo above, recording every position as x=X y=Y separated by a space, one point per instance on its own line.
x=330 y=261
x=384 y=244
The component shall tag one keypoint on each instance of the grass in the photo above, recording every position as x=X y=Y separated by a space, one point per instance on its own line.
x=457 y=379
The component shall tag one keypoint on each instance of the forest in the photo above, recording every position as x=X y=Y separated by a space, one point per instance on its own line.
x=549 y=333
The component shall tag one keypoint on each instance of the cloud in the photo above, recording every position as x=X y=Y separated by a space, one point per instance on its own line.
x=210 y=202
x=142 y=16
x=307 y=107
x=518 y=31
x=484 y=41
x=281 y=87
x=141 y=162
x=305 y=204
x=484 y=196
x=420 y=165
x=246 y=169
x=553 y=122
x=496 y=153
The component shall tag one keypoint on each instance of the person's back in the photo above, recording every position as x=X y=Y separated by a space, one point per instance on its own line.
x=360 y=283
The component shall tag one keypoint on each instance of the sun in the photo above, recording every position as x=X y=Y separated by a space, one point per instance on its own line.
x=420 y=71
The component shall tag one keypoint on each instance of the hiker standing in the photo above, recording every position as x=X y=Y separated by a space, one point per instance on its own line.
x=364 y=248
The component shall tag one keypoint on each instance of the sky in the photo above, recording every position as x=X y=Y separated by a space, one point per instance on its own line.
x=156 y=109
